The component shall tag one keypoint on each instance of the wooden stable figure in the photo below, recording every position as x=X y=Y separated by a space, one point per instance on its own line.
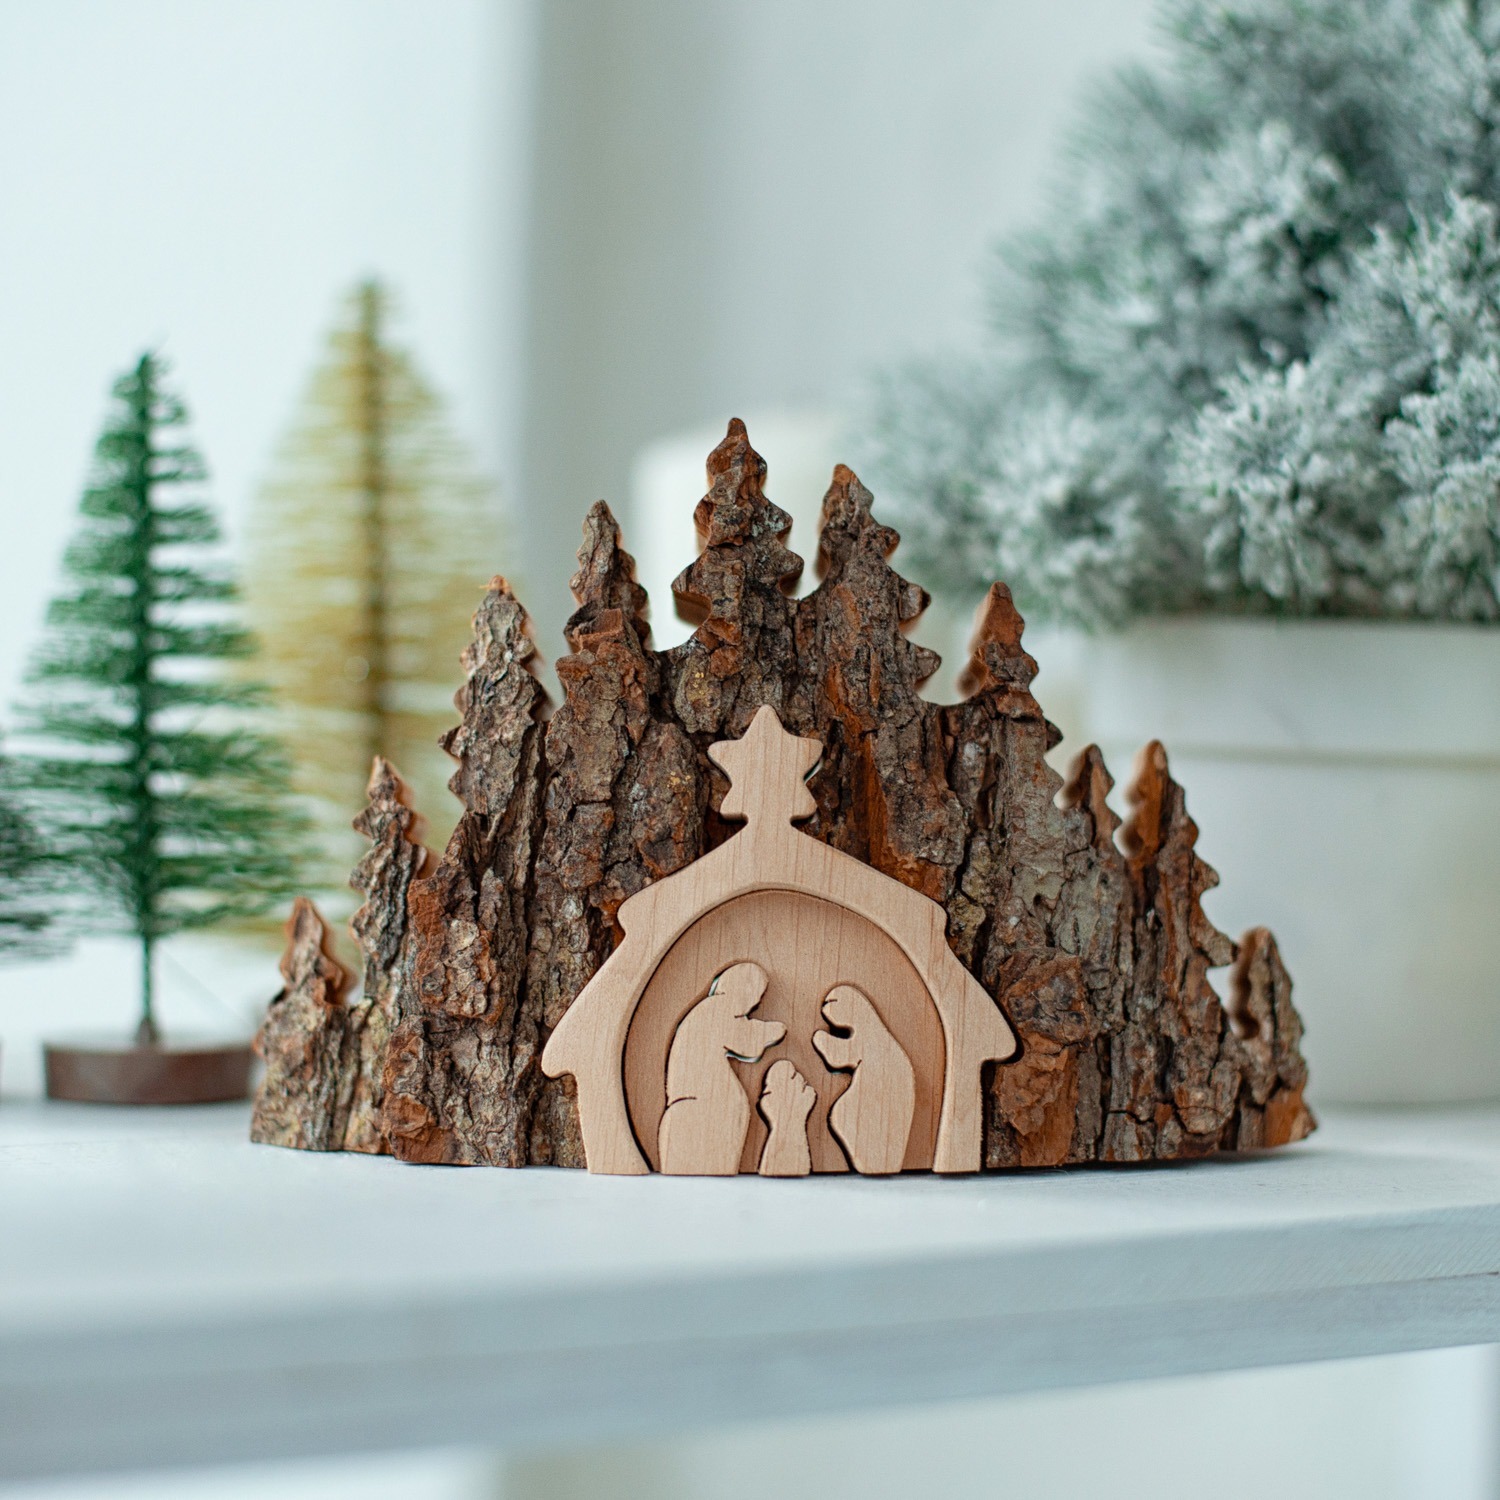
x=755 y=904
x=776 y=968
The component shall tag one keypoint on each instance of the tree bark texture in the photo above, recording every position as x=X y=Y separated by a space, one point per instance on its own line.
x=1088 y=932
x=310 y=1043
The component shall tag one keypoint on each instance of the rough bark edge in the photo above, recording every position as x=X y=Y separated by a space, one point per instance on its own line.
x=384 y=876
x=309 y=1042
x=461 y=1073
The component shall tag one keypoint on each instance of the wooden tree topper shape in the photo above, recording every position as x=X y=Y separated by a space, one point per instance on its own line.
x=778 y=1006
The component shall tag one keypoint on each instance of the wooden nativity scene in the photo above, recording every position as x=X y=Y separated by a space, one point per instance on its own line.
x=754 y=904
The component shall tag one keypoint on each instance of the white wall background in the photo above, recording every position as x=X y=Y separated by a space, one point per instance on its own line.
x=606 y=221
x=208 y=180
x=747 y=205
x=609 y=221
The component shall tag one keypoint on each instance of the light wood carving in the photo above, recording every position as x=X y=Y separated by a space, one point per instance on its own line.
x=767 y=769
x=785 y=1103
x=872 y=1119
x=806 y=947
x=708 y=1114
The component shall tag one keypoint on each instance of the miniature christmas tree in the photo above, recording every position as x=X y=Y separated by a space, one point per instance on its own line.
x=161 y=806
x=25 y=922
x=367 y=552
x=1249 y=361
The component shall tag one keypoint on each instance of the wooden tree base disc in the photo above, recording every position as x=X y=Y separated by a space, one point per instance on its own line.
x=103 y=1072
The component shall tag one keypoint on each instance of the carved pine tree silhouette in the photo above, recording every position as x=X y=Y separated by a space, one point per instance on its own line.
x=384 y=876
x=310 y=1048
x=1089 y=936
x=461 y=1080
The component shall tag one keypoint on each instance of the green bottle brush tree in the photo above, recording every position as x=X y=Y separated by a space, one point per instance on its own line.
x=26 y=928
x=160 y=804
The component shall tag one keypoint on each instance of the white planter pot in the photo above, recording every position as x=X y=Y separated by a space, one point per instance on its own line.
x=1346 y=779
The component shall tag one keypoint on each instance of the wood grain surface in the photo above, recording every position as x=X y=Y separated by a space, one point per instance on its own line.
x=806 y=947
x=708 y=1114
x=786 y=1101
x=872 y=1117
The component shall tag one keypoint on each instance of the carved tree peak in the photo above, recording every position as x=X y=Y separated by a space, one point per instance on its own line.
x=395 y=858
x=308 y=966
x=853 y=553
x=1154 y=802
x=1088 y=786
x=1258 y=973
x=605 y=580
x=502 y=633
x=309 y=1043
x=388 y=803
x=1270 y=1038
x=1159 y=839
x=501 y=685
x=735 y=514
x=848 y=521
x=998 y=662
x=736 y=509
x=999 y=666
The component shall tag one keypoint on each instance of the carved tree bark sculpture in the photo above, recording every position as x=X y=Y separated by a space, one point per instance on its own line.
x=1095 y=947
x=310 y=1044
x=324 y=1084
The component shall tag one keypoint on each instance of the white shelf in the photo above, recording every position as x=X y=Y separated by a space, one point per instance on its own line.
x=169 y=1293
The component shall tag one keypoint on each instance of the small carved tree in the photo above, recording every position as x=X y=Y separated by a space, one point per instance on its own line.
x=1175 y=1027
x=461 y=1078
x=310 y=1048
x=396 y=857
x=324 y=1087
x=1268 y=1041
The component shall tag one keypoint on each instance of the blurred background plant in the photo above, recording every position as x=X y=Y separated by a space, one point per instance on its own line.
x=368 y=550
x=158 y=803
x=1250 y=361
x=26 y=929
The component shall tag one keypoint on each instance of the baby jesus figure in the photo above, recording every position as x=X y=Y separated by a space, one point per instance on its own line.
x=785 y=1103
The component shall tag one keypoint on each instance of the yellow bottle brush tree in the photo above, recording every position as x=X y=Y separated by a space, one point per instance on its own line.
x=159 y=800
x=368 y=546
